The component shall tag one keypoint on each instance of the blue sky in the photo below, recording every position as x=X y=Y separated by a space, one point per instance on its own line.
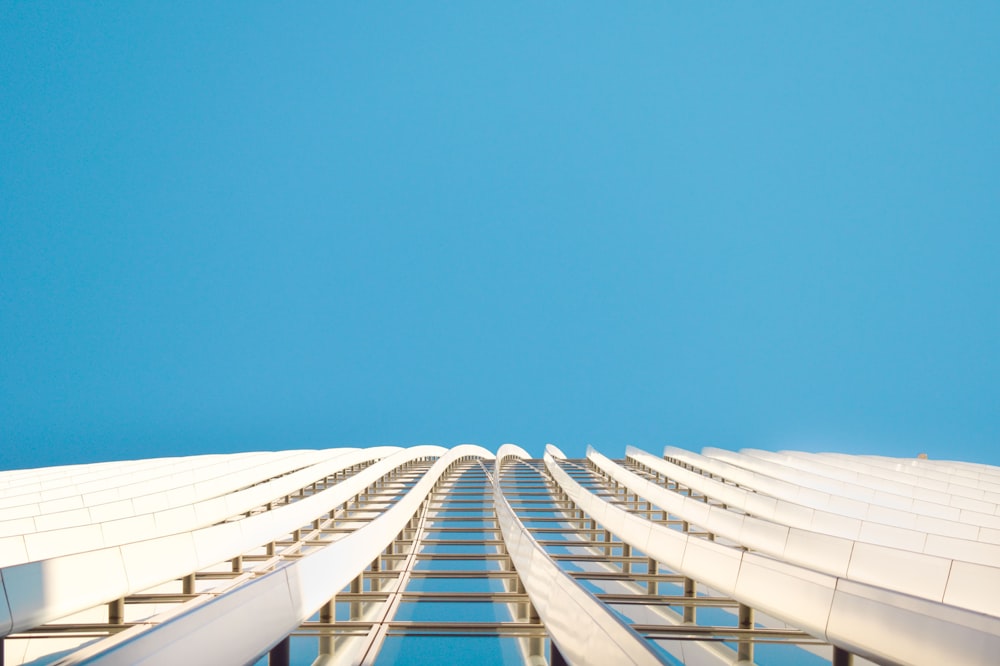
x=245 y=226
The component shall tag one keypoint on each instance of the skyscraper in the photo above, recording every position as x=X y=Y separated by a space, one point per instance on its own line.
x=434 y=555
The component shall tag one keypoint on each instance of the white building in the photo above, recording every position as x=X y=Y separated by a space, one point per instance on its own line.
x=434 y=555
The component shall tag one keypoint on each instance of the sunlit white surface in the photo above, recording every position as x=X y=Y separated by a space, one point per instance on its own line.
x=897 y=561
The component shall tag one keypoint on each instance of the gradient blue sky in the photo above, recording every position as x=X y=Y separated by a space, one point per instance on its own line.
x=254 y=226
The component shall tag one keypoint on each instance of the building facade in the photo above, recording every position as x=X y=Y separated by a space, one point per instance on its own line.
x=464 y=555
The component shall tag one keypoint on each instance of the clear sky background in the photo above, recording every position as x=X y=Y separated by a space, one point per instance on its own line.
x=249 y=226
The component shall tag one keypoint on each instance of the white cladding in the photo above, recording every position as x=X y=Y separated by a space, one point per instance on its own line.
x=897 y=561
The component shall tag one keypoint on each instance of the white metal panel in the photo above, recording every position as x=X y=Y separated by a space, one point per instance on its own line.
x=933 y=497
x=721 y=521
x=61 y=504
x=151 y=503
x=834 y=525
x=974 y=586
x=148 y=563
x=43 y=545
x=812 y=497
x=216 y=544
x=842 y=526
x=977 y=518
x=949 y=472
x=552 y=450
x=892 y=517
x=177 y=519
x=713 y=564
x=22 y=511
x=210 y=510
x=888 y=481
x=126 y=529
x=17 y=527
x=694 y=512
x=848 y=506
x=187 y=516
x=933 y=525
x=989 y=535
x=55 y=521
x=104 y=495
x=760 y=505
x=614 y=520
x=795 y=515
x=973 y=505
x=963 y=550
x=39 y=592
x=100 y=513
x=763 y=535
x=820 y=552
x=894 y=537
x=929 y=633
x=784 y=590
x=636 y=530
x=892 y=568
x=894 y=498
x=12 y=549
x=164 y=489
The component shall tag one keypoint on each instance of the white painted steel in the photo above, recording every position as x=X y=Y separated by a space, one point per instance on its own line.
x=919 y=466
x=895 y=560
x=946 y=474
x=135 y=486
x=139 y=496
x=962 y=495
x=863 y=619
x=47 y=590
x=238 y=627
x=830 y=522
x=585 y=630
x=926 y=517
x=175 y=515
x=554 y=451
x=73 y=490
x=890 y=496
x=816 y=545
x=949 y=480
